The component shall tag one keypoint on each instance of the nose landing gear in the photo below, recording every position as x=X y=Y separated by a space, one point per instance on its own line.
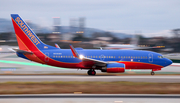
x=152 y=73
x=91 y=72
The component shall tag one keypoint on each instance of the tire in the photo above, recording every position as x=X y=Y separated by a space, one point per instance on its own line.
x=152 y=73
x=91 y=72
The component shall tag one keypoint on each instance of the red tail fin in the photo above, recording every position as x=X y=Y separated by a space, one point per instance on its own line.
x=27 y=39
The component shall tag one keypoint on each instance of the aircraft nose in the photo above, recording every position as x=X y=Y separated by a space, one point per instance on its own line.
x=168 y=62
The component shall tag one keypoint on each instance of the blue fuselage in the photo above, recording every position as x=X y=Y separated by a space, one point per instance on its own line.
x=122 y=56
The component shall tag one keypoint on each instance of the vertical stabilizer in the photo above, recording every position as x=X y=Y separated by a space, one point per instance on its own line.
x=27 y=39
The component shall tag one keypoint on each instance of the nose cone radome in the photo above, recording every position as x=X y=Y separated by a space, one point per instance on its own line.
x=168 y=62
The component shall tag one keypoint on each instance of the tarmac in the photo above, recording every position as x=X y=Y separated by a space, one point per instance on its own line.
x=52 y=78
x=90 y=98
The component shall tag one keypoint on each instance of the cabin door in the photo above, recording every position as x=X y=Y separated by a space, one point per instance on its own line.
x=150 y=57
x=46 y=57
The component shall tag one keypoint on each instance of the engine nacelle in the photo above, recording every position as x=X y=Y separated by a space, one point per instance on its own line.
x=114 y=68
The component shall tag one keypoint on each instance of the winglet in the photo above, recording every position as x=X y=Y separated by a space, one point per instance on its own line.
x=75 y=54
x=57 y=46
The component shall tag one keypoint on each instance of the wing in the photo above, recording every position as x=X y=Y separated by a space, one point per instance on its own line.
x=88 y=61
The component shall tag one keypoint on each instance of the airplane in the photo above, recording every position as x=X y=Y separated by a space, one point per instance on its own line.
x=132 y=46
x=110 y=61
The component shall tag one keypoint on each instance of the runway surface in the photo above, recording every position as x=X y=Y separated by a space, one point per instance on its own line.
x=11 y=64
x=90 y=98
x=156 y=79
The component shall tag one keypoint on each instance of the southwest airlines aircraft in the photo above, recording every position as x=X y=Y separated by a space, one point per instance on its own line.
x=111 y=61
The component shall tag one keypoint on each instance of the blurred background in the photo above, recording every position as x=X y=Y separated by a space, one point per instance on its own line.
x=103 y=24
x=152 y=25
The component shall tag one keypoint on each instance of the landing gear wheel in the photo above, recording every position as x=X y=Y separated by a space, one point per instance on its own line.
x=152 y=73
x=91 y=72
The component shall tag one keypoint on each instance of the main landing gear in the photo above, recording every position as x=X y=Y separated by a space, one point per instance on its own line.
x=152 y=73
x=91 y=72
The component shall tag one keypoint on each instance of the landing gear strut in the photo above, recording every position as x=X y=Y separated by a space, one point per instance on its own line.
x=91 y=72
x=152 y=73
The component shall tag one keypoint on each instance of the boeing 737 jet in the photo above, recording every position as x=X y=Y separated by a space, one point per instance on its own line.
x=111 y=61
x=132 y=46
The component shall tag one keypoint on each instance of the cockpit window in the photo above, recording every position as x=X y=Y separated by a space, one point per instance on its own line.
x=160 y=57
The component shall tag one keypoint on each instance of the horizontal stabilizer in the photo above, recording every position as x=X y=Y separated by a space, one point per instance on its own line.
x=22 y=51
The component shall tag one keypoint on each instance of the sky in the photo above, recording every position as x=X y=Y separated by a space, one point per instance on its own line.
x=149 y=17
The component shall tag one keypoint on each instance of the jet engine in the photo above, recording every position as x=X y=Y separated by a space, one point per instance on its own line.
x=114 y=68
